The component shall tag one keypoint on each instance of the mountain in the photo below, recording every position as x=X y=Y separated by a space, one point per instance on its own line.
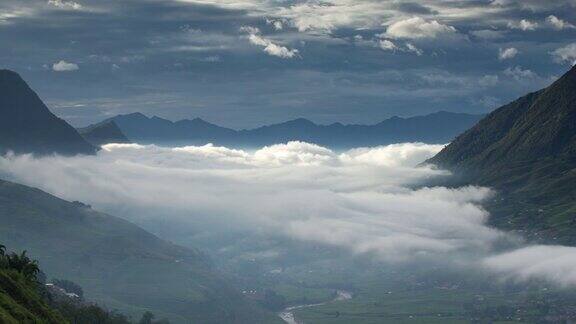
x=27 y=126
x=118 y=264
x=139 y=128
x=526 y=150
x=103 y=133
x=439 y=127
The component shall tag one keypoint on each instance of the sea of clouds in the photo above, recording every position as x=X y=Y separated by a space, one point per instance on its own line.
x=368 y=200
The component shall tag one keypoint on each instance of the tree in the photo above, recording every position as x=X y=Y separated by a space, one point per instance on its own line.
x=23 y=264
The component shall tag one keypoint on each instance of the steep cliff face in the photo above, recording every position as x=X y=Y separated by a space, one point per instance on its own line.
x=27 y=126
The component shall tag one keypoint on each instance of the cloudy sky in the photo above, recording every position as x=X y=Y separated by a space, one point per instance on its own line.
x=242 y=63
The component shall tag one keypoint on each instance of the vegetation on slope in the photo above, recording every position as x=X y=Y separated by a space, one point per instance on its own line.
x=20 y=301
x=25 y=299
x=527 y=151
x=118 y=264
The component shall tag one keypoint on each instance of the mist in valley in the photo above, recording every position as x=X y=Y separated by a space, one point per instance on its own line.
x=296 y=223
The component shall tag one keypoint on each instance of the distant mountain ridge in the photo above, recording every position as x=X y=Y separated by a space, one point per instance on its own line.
x=27 y=126
x=527 y=150
x=103 y=133
x=440 y=127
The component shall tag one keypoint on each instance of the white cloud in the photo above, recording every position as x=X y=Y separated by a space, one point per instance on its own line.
x=519 y=73
x=362 y=200
x=358 y=200
x=268 y=46
x=413 y=49
x=271 y=48
x=277 y=24
x=508 y=53
x=64 y=66
x=436 y=18
x=395 y=155
x=551 y=21
x=553 y=263
x=250 y=30
x=387 y=45
x=416 y=28
x=558 y=23
x=533 y=5
x=566 y=54
x=523 y=24
x=11 y=13
x=323 y=17
x=65 y=4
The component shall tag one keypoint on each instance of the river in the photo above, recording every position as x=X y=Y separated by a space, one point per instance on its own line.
x=287 y=315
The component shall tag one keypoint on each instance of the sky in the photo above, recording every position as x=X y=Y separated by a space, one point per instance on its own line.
x=245 y=63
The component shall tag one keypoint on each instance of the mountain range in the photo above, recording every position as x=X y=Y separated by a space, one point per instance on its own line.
x=440 y=127
x=527 y=151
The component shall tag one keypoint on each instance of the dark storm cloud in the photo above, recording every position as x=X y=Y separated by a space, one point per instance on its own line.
x=351 y=61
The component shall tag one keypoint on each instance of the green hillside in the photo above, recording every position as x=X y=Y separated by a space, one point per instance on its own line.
x=119 y=265
x=24 y=297
x=21 y=303
x=527 y=151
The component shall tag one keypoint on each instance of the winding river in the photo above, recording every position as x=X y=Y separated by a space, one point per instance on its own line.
x=287 y=315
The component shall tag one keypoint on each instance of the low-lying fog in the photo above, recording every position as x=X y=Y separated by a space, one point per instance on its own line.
x=367 y=201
